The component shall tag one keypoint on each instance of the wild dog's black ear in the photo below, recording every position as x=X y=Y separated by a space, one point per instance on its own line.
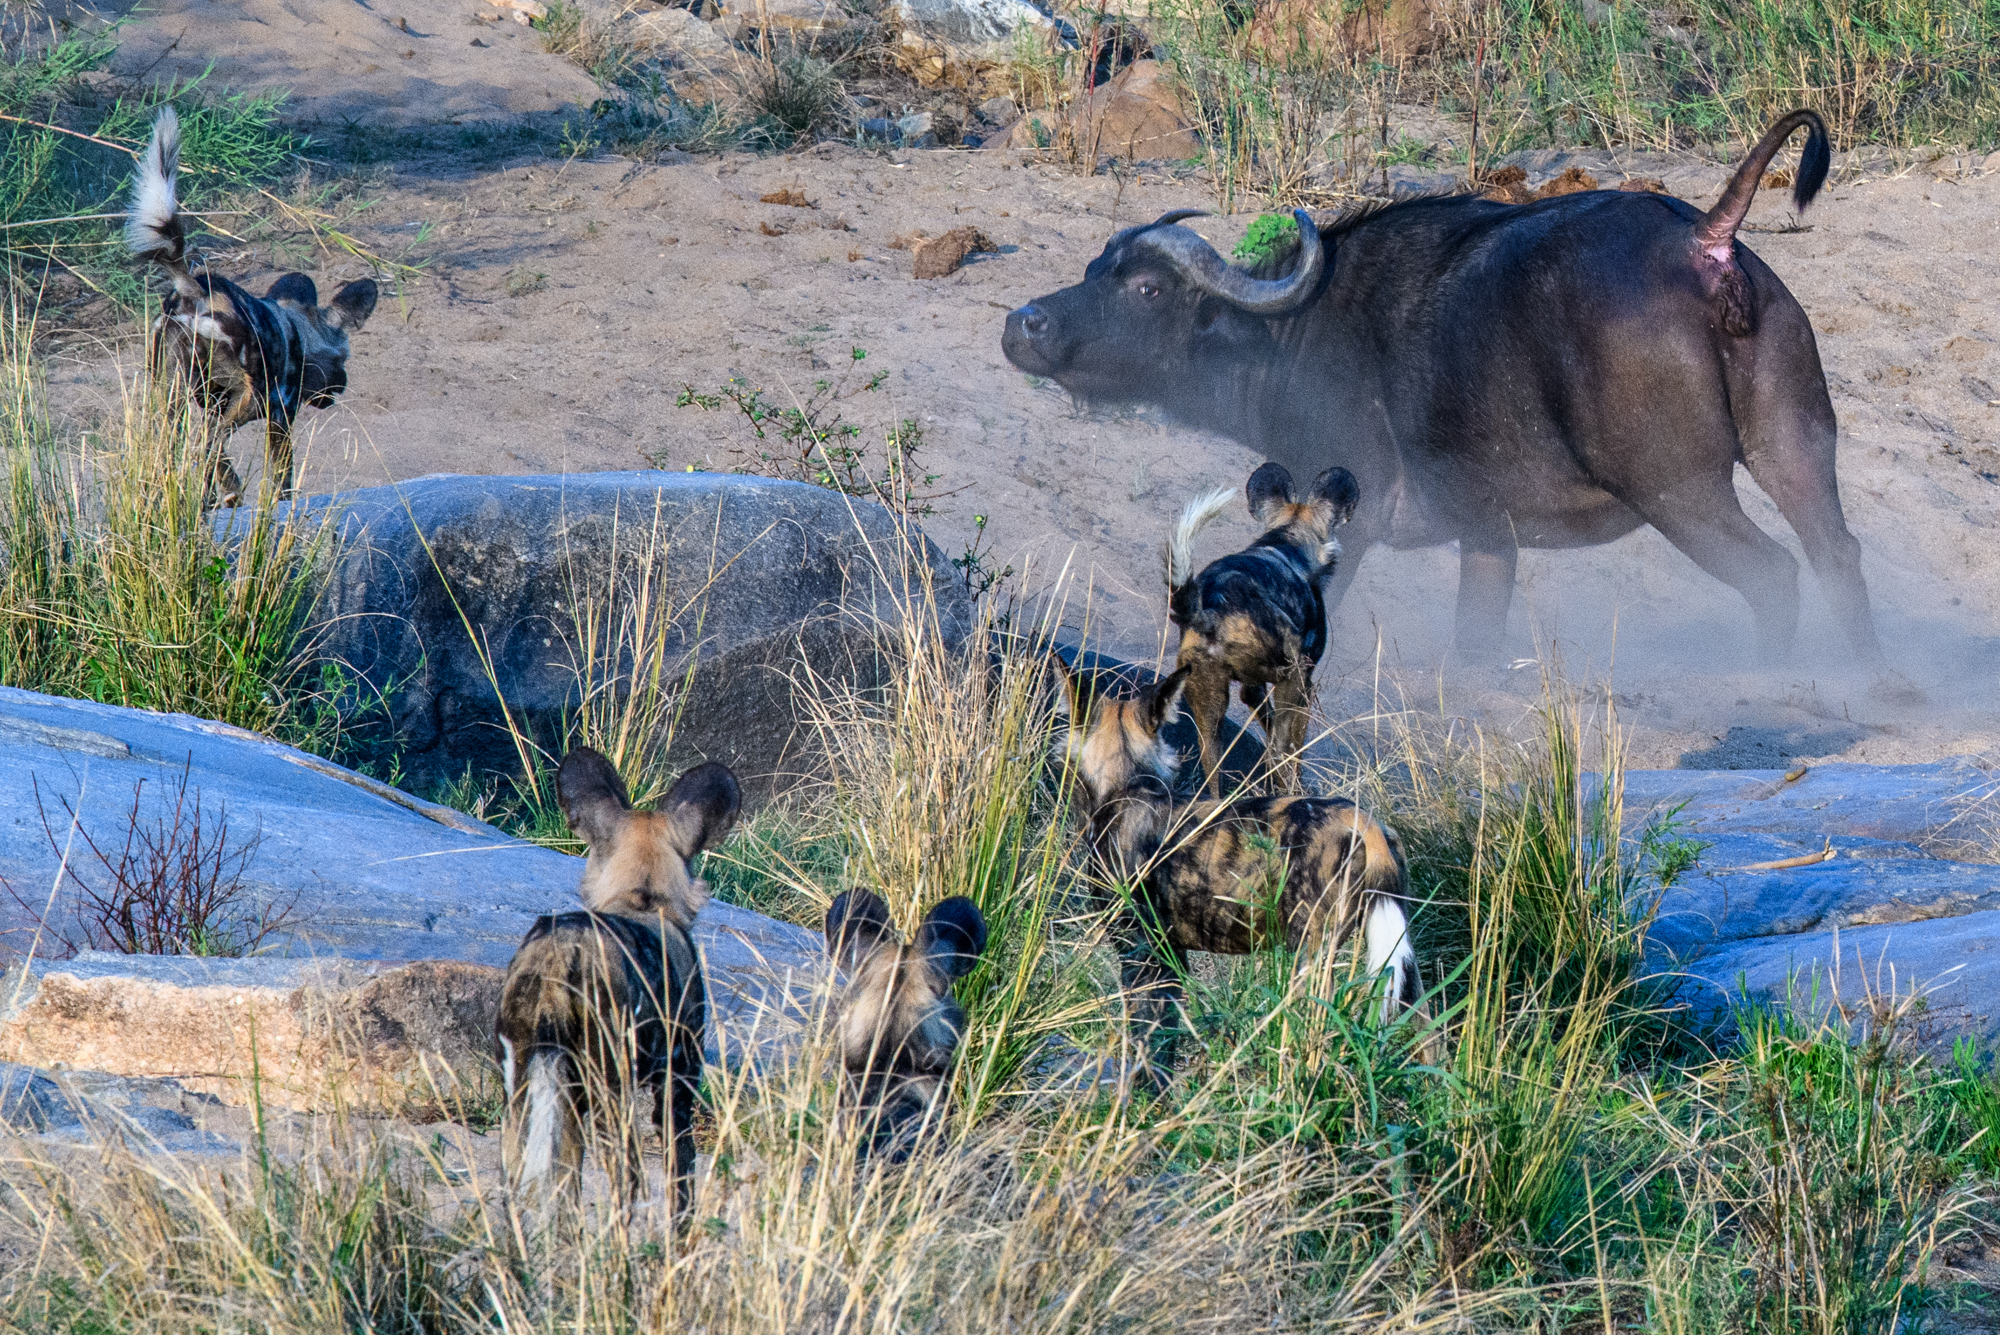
x=953 y=936
x=1337 y=490
x=295 y=288
x=857 y=921
x=1268 y=487
x=592 y=796
x=352 y=305
x=1161 y=697
x=702 y=806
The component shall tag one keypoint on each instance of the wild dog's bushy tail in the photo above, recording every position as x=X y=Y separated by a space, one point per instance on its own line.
x=1386 y=922
x=153 y=228
x=1199 y=513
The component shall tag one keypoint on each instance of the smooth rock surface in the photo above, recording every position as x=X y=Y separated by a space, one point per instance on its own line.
x=765 y=578
x=377 y=878
x=1884 y=913
x=980 y=25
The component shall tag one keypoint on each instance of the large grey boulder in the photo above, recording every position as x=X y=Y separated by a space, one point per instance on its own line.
x=378 y=880
x=1884 y=913
x=441 y=576
x=985 y=27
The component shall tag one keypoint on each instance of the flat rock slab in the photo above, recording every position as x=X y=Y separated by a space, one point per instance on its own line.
x=380 y=882
x=1883 y=913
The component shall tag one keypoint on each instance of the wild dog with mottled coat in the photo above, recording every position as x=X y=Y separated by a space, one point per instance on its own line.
x=242 y=357
x=1258 y=617
x=897 y=1025
x=602 y=1002
x=1227 y=877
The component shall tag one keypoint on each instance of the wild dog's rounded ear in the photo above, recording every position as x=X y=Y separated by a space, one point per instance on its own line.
x=295 y=288
x=1268 y=487
x=857 y=921
x=702 y=806
x=1337 y=490
x=953 y=936
x=352 y=305
x=1161 y=697
x=1069 y=691
x=592 y=796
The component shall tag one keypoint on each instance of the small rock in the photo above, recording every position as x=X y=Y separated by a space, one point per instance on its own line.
x=983 y=26
x=1003 y=111
x=790 y=198
x=915 y=130
x=943 y=255
x=880 y=127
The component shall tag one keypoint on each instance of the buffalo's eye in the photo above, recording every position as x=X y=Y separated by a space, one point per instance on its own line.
x=1146 y=288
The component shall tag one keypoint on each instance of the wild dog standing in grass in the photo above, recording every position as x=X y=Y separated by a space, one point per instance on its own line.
x=898 y=1026
x=1258 y=617
x=1227 y=877
x=242 y=357
x=611 y=998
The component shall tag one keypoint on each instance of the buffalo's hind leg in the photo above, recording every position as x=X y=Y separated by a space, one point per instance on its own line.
x=1789 y=434
x=1703 y=518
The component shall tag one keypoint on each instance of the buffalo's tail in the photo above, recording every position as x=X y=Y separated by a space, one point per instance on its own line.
x=1197 y=515
x=1717 y=232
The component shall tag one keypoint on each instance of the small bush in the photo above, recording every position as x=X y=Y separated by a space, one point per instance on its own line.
x=794 y=96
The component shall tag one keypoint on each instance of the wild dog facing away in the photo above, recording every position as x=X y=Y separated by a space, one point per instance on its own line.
x=602 y=1002
x=242 y=357
x=1228 y=877
x=898 y=1027
x=1258 y=617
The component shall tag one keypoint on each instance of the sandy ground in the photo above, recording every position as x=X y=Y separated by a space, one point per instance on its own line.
x=562 y=306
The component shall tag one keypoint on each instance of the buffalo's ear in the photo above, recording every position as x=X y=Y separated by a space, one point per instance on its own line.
x=1268 y=488
x=352 y=305
x=953 y=936
x=1163 y=695
x=702 y=805
x=856 y=923
x=295 y=288
x=592 y=796
x=1337 y=491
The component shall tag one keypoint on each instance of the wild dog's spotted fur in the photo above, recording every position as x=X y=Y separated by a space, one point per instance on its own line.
x=242 y=357
x=1258 y=617
x=600 y=1002
x=1228 y=877
x=898 y=1025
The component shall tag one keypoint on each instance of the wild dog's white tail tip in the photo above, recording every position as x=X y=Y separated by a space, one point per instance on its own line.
x=538 y=1140
x=1199 y=513
x=1389 y=951
x=153 y=227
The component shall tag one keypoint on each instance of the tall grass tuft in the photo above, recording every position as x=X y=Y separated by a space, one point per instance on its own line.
x=119 y=587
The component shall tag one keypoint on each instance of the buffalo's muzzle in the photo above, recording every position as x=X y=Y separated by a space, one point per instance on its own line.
x=1025 y=339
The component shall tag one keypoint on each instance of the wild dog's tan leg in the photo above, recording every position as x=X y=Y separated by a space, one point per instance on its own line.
x=278 y=457
x=1285 y=718
x=1206 y=696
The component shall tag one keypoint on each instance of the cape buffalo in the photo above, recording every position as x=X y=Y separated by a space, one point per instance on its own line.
x=1545 y=375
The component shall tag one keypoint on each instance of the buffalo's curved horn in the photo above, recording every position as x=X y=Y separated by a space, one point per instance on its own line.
x=1198 y=263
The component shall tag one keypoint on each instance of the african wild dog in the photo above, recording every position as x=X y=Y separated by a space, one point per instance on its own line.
x=1227 y=877
x=242 y=357
x=898 y=1027
x=599 y=1002
x=1258 y=617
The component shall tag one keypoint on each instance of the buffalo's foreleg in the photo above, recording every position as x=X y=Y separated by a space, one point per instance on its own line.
x=1486 y=563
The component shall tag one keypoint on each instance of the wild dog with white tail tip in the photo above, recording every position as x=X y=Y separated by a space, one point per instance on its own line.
x=242 y=357
x=898 y=1026
x=600 y=1003
x=1228 y=877
x=1258 y=617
